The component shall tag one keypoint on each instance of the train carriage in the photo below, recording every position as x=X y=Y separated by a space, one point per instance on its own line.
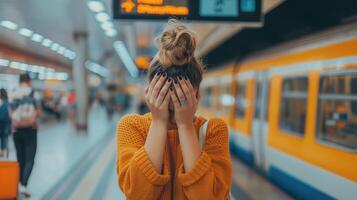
x=293 y=113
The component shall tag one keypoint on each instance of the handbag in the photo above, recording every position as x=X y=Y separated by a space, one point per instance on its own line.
x=202 y=141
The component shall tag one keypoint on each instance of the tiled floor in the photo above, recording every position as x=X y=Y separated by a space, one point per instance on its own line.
x=60 y=147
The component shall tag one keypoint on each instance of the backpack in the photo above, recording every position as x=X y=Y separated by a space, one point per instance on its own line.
x=202 y=141
x=24 y=112
x=4 y=113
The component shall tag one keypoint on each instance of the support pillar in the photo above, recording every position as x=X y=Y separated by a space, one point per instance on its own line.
x=80 y=80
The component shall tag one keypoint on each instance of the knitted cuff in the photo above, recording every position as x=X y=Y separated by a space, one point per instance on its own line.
x=198 y=170
x=147 y=168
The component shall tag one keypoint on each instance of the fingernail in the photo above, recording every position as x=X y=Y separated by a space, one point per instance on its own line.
x=180 y=77
x=159 y=73
x=175 y=81
x=171 y=89
x=186 y=78
x=169 y=80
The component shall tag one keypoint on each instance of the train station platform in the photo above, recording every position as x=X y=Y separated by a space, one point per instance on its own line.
x=279 y=77
x=82 y=165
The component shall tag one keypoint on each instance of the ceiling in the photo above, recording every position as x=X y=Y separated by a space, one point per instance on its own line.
x=59 y=20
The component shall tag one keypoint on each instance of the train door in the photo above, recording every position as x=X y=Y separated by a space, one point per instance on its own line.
x=260 y=127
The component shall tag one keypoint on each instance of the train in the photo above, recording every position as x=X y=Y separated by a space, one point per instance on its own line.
x=292 y=112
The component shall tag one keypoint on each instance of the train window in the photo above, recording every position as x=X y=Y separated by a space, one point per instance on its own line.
x=226 y=99
x=337 y=112
x=293 y=105
x=207 y=97
x=258 y=96
x=241 y=103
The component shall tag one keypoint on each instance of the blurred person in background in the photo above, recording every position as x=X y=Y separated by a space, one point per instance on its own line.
x=72 y=107
x=24 y=114
x=5 y=123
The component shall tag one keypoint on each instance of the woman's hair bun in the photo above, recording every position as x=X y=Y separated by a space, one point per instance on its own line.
x=176 y=44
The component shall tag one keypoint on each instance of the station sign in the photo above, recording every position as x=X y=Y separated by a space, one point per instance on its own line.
x=196 y=10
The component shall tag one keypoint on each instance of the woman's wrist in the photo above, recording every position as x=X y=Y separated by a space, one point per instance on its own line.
x=185 y=127
x=159 y=123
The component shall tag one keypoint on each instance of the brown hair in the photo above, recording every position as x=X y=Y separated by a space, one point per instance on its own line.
x=176 y=45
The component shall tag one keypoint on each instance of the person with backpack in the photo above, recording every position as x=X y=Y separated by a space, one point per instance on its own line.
x=5 y=123
x=171 y=153
x=24 y=114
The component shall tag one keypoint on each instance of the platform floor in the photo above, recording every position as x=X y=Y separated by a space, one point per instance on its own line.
x=72 y=165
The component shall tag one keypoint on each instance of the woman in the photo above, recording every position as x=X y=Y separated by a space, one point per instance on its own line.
x=5 y=123
x=159 y=156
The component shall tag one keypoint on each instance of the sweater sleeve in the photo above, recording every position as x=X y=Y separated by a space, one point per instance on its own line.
x=211 y=175
x=138 y=178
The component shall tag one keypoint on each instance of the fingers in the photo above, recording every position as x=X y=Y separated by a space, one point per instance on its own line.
x=157 y=88
x=175 y=100
x=159 y=85
x=153 y=83
x=186 y=91
x=146 y=89
x=180 y=93
x=163 y=92
x=191 y=89
x=166 y=100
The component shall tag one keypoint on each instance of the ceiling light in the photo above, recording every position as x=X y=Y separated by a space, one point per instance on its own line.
x=95 y=6
x=55 y=46
x=102 y=17
x=25 y=32
x=4 y=62
x=107 y=25
x=126 y=58
x=61 y=50
x=24 y=66
x=72 y=55
x=46 y=42
x=96 y=68
x=61 y=76
x=34 y=68
x=9 y=24
x=37 y=37
x=111 y=33
x=15 y=65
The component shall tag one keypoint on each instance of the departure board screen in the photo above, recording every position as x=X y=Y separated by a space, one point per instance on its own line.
x=151 y=9
x=196 y=10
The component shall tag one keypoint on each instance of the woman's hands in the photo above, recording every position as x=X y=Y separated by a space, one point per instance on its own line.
x=185 y=102
x=158 y=98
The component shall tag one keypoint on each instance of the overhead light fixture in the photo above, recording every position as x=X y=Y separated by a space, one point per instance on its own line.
x=96 y=68
x=107 y=25
x=25 y=32
x=46 y=42
x=37 y=37
x=4 y=62
x=95 y=6
x=9 y=24
x=126 y=58
x=15 y=65
x=44 y=73
x=102 y=17
x=55 y=47
x=111 y=33
x=61 y=50
x=70 y=54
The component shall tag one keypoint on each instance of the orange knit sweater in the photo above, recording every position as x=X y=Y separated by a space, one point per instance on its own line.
x=209 y=178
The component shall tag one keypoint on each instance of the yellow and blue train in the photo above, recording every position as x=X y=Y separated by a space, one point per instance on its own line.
x=292 y=112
